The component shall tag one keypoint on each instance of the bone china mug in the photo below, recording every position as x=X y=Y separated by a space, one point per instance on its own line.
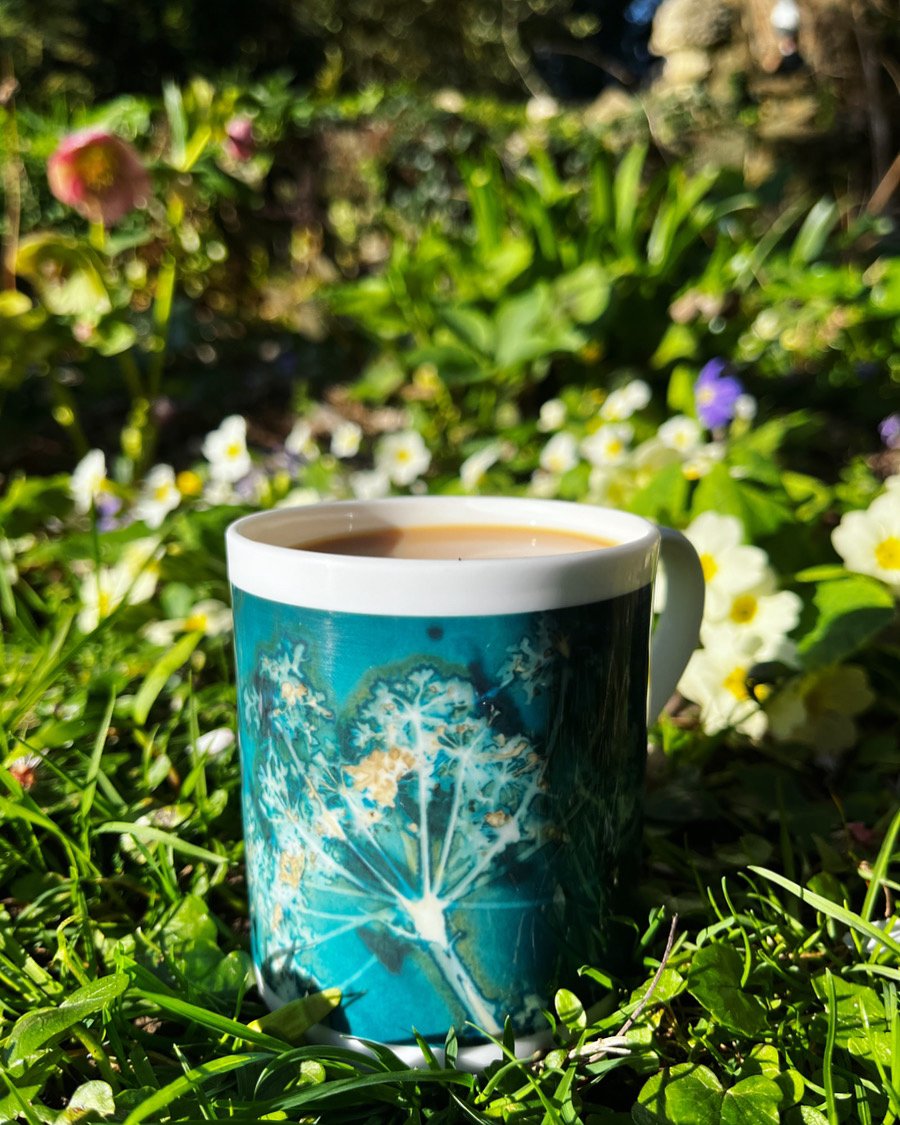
x=443 y=759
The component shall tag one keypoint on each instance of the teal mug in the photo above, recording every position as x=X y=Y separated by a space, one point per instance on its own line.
x=443 y=757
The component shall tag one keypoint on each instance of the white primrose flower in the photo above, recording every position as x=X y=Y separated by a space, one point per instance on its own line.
x=132 y=580
x=716 y=680
x=729 y=567
x=559 y=454
x=300 y=441
x=209 y=617
x=158 y=497
x=472 y=470
x=9 y=549
x=703 y=458
x=299 y=497
x=758 y=619
x=680 y=433
x=745 y=407
x=818 y=709
x=226 y=450
x=88 y=480
x=869 y=541
x=543 y=484
x=625 y=401
x=608 y=445
x=369 y=484
x=345 y=440
x=402 y=457
x=552 y=415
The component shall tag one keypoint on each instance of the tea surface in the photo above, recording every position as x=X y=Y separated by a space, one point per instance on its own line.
x=457 y=541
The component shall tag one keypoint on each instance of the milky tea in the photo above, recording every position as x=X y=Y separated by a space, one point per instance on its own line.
x=456 y=541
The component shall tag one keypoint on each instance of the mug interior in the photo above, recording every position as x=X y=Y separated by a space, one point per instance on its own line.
x=266 y=559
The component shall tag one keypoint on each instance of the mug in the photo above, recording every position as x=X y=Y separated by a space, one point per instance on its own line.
x=443 y=759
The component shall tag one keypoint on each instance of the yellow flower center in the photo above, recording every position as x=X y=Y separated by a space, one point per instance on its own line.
x=403 y=455
x=195 y=623
x=614 y=448
x=743 y=609
x=710 y=567
x=736 y=683
x=189 y=484
x=233 y=451
x=104 y=604
x=887 y=553
x=161 y=492
x=705 y=396
x=97 y=167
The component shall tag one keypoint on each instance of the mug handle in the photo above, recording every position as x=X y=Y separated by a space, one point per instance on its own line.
x=678 y=628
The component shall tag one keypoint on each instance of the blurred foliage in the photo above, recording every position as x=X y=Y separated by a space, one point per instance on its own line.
x=510 y=256
x=89 y=49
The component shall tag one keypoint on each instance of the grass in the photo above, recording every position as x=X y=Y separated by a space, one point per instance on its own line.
x=126 y=991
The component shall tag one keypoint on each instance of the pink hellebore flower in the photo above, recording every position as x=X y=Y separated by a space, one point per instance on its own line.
x=99 y=175
x=240 y=143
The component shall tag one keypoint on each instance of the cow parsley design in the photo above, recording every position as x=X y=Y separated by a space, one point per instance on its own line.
x=395 y=818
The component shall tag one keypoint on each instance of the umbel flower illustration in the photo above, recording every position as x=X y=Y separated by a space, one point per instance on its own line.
x=438 y=834
x=413 y=818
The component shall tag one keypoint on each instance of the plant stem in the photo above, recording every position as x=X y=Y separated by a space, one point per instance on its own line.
x=12 y=176
x=162 y=312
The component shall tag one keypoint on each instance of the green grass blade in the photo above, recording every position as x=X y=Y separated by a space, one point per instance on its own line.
x=159 y=674
x=211 y=1020
x=188 y=1081
x=880 y=868
x=147 y=834
x=838 y=913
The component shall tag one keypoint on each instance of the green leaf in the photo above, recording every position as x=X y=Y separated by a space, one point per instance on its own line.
x=517 y=321
x=626 y=193
x=665 y=497
x=805 y=1115
x=92 y=1101
x=379 y=380
x=679 y=341
x=177 y=121
x=862 y=1026
x=570 y=1009
x=584 y=293
x=715 y=981
x=65 y=273
x=680 y=392
x=760 y=512
x=291 y=1021
x=156 y=678
x=472 y=327
x=669 y=984
x=753 y=1101
x=35 y=1029
x=852 y=610
x=686 y=1094
x=813 y=235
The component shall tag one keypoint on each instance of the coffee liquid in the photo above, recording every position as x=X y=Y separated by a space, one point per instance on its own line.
x=457 y=541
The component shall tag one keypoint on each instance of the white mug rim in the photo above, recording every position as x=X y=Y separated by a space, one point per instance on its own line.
x=265 y=561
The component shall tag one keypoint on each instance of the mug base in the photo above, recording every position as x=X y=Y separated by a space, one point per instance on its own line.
x=472 y=1059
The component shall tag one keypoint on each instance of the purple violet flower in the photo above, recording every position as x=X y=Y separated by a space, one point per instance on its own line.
x=716 y=393
x=889 y=430
x=107 y=507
